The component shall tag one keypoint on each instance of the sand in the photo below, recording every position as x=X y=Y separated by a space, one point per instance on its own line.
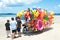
x=52 y=34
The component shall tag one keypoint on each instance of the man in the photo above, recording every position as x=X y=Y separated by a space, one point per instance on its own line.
x=13 y=27
x=19 y=26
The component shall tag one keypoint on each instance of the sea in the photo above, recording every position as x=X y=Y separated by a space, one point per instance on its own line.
x=22 y=17
x=10 y=15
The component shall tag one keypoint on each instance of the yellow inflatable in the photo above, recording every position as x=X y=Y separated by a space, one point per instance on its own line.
x=51 y=13
x=20 y=13
x=35 y=13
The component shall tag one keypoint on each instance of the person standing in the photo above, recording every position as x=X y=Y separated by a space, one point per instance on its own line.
x=13 y=27
x=19 y=26
x=7 y=25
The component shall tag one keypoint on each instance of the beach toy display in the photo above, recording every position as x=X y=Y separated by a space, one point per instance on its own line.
x=37 y=19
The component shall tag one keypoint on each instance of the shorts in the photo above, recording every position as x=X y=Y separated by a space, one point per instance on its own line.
x=8 y=32
x=18 y=29
x=13 y=31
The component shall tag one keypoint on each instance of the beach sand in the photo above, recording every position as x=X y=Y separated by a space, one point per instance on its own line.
x=52 y=34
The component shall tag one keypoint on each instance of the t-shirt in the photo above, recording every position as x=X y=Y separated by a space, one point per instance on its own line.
x=13 y=25
x=7 y=25
x=19 y=23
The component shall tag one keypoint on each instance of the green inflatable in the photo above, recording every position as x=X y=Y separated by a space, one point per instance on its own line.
x=46 y=17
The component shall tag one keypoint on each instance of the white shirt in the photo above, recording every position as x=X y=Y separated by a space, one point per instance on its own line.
x=13 y=25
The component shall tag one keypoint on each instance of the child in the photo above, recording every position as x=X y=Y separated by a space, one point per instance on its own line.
x=7 y=25
x=13 y=27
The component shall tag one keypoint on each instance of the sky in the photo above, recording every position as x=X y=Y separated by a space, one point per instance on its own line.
x=13 y=6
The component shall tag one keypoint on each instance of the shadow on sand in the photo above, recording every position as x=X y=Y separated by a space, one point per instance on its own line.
x=37 y=32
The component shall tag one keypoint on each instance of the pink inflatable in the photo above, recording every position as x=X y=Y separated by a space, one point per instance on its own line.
x=39 y=24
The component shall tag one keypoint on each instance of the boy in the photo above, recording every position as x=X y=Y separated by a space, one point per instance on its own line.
x=13 y=27
x=7 y=25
